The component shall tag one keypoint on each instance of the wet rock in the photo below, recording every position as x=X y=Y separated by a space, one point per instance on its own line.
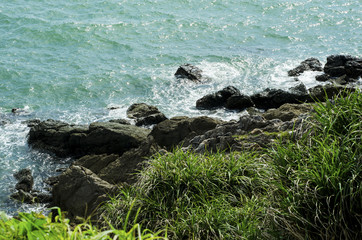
x=354 y=68
x=72 y=140
x=171 y=132
x=80 y=192
x=25 y=180
x=274 y=98
x=32 y=122
x=217 y=99
x=190 y=72
x=310 y=64
x=335 y=65
x=328 y=91
x=120 y=121
x=239 y=102
x=323 y=78
x=145 y=114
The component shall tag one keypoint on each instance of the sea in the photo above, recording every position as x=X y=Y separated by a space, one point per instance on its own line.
x=82 y=61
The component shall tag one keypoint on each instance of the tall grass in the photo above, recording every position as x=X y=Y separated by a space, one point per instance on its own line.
x=320 y=177
x=210 y=196
x=38 y=227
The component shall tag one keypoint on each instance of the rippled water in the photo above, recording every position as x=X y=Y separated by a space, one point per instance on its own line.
x=71 y=60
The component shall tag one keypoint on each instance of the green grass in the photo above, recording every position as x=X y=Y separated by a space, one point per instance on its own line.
x=320 y=177
x=38 y=227
x=210 y=196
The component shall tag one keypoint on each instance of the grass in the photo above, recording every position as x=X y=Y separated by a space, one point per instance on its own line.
x=38 y=227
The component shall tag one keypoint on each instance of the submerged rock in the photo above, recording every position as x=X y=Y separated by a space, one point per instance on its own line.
x=25 y=180
x=310 y=64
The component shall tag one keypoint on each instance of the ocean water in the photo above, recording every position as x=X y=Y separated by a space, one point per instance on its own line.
x=72 y=60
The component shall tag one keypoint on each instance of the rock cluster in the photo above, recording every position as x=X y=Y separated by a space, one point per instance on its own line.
x=108 y=154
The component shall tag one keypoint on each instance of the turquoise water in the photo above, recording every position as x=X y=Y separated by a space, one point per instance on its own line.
x=71 y=60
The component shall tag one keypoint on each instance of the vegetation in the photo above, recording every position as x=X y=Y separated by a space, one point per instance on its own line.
x=38 y=227
x=309 y=188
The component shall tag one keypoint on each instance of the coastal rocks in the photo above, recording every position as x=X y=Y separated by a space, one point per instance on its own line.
x=80 y=192
x=239 y=102
x=72 y=140
x=310 y=64
x=171 y=132
x=24 y=187
x=190 y=72
x=217 y=99
x=328 y=91
x=341 y=69
x=145 y=114
x=274 y=98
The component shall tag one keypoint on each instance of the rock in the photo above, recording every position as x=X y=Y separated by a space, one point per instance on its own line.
x=190 y=72
x=239 y=102
x=22 y=196
x=322 y=78
x=287 y=111
x=80 y=192
x=31 y=122
x=217 y=99
x=310 y=64
x=328 y=91
x=354 y=68
x=274 y=98
x=97 y=138
x=171 y=132
x=335 y=65
x=25 y=180
x=120 y=121
x=145 y=114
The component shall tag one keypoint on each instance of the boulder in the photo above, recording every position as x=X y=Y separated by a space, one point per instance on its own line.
x=120 y=121
x=287 y=111
x=190 y=72
x=172 y=132
x=310 y=64
x=217 y=99
x=239 y=102
x=274 y=98
x=80 y=192
x=335 y=65
x=72 y=140
x=328 y=91
x=25 y=180
x=145 y=114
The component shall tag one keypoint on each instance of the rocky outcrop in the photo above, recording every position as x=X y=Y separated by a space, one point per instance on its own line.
x=145 y=114
x=190 y=72
x=323 y=93
x=341 y=69
x=310 y=64
x=274 y=98
x=24 y=187
x=172 y=132
x=71 y=140
x=217 y=99
x=80 y=192
x=287 y=111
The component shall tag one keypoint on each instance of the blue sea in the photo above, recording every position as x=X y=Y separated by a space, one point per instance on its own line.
x=73 y=60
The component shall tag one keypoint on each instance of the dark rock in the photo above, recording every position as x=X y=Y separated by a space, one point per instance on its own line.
x=190 y=72
x=23 y=196
x=274 y=98
x=120 y=121
x=72 y=140
x=239 y=102
x=145 y=114
x=80 y=192
x=31 y=122
x=323 y=78
x=139 y=110
x=25 y=180
x=335 y=65
x=151 y=119
x=328 y=91
x=354 y=68
x=171 y=132
x=217 y=99
x=310 y=64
